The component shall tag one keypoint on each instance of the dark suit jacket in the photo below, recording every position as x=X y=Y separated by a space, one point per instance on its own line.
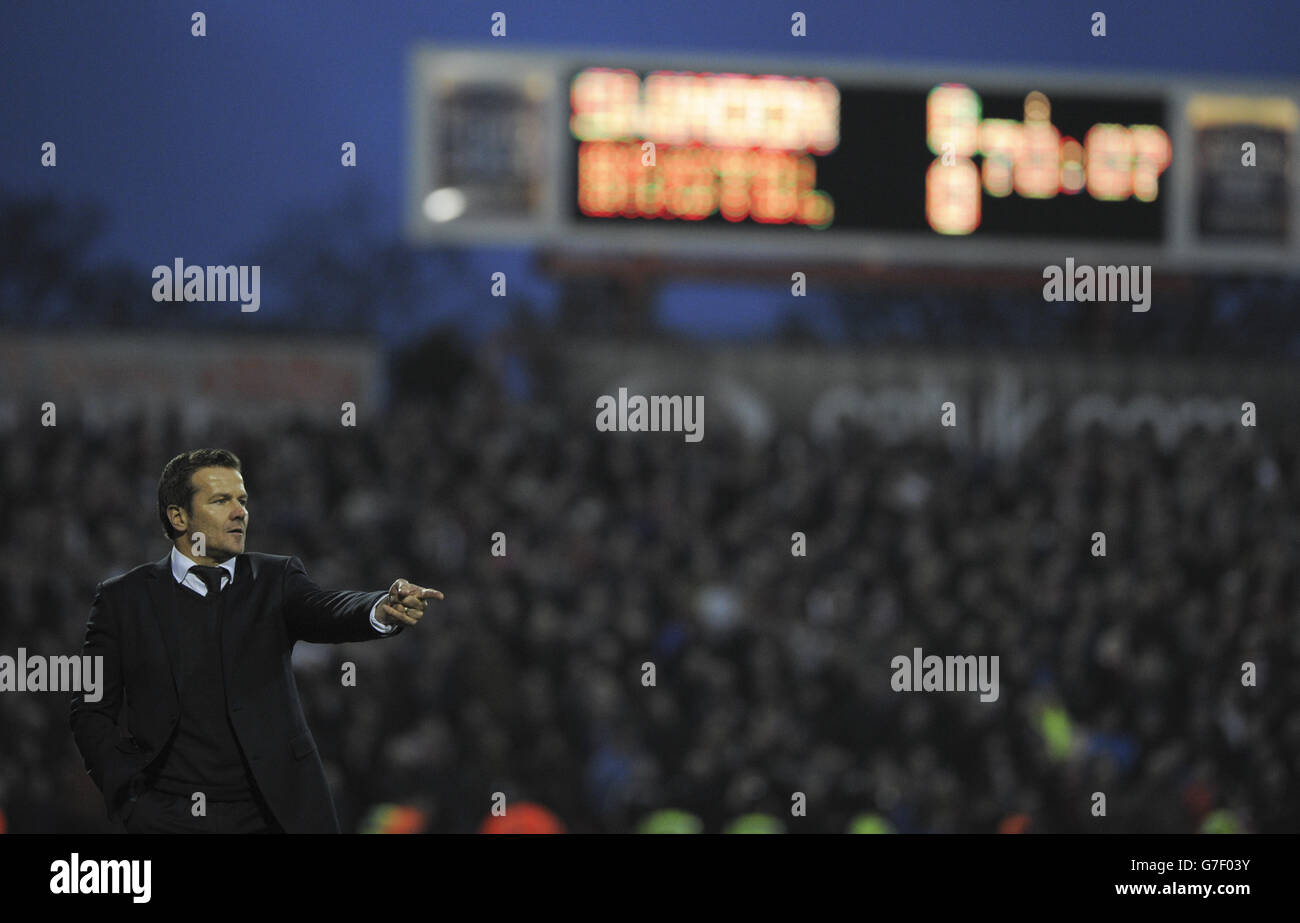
x=270 y=605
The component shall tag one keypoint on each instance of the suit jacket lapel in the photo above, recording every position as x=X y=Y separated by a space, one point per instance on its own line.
x=159 y=581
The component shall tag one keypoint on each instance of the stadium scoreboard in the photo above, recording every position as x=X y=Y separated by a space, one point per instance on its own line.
x=748 y=158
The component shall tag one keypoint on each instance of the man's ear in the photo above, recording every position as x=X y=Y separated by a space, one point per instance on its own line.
x=176 y=516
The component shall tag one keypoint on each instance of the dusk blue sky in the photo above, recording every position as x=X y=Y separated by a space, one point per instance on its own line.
x=197 y=147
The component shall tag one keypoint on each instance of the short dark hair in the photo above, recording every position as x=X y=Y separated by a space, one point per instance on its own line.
x=176 y=486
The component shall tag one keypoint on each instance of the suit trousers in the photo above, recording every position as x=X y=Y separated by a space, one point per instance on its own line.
x=160 y=812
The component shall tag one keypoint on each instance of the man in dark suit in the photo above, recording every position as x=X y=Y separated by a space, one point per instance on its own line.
x=196 y=652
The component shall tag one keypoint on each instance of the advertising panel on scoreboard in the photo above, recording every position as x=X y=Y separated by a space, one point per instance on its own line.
x=480 y=164
x=1244 y=150
x=484 y=141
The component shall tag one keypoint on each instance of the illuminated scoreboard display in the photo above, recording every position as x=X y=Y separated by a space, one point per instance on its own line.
x=845 y=164
x=790 y=151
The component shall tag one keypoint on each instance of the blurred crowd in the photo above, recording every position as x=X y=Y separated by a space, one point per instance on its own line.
x=1120 y=675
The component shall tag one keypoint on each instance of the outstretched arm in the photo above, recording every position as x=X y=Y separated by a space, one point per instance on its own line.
x=335 y=616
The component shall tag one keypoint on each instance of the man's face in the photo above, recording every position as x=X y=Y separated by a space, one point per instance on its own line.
x=219 y=510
